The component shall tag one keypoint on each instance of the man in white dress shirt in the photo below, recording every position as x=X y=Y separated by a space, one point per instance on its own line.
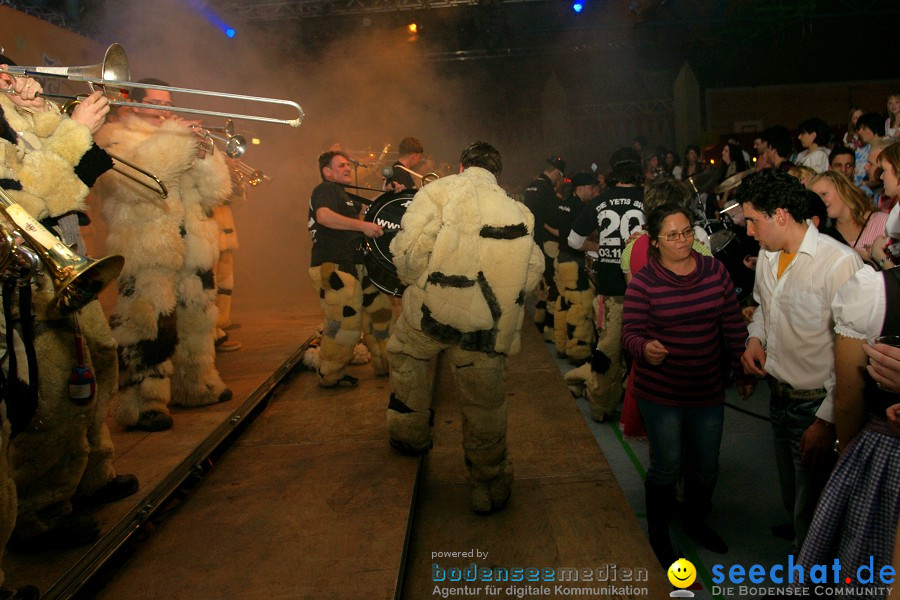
x=791 y=338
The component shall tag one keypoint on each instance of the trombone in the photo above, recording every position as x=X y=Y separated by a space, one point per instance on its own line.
x=425 y=179
x=156 y=186
x=114 y=72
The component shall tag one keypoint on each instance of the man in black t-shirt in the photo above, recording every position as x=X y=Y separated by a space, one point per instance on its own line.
x=411 y=152
x=615 y=214
x=574 y=324
x=338 y=272
x=541 y=200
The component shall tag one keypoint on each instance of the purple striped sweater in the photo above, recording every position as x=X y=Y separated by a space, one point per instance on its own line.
x=695 y=317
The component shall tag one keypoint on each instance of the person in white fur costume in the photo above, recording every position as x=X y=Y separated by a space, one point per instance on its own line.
x=164 y=321
x=62 y=452
x=467 y=252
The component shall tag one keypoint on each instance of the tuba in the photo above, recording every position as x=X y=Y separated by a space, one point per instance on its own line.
x=77 y=280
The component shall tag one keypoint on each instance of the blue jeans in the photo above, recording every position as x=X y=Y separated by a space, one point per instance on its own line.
x=792 y=412
x=672 y=430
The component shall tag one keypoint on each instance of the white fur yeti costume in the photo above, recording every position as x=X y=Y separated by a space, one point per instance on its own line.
x=165 y=318
x=467 y=252
x=66 y=451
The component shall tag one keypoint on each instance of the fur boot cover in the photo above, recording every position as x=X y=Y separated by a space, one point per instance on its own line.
x=469 y=263
x=68 y=447
x=167 y=290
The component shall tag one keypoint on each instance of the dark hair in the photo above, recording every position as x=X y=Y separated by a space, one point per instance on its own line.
x=737 y=157
x=873 y=121
x=817 y=126
x=817 y=207
x=482 y=154
x=665 y=191
x=626 y=167
x=779 y=139
x=838 y=150
x=325 y=160
x=655 y=221
x=770 y=189
x=410 y=145
x=139 y=94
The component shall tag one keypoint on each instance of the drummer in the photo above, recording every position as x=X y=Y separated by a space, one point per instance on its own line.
x=339 y=274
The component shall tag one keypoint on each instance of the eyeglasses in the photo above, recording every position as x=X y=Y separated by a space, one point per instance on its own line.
x=158 y=102
x=687 y=234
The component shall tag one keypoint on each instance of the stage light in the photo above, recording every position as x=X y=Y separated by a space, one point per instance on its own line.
x=229 y=31
x=712 y=161
x=255 y=141
x=578 y=7
x=412 y=28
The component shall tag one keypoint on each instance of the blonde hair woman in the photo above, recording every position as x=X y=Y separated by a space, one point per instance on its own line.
x=851 y=213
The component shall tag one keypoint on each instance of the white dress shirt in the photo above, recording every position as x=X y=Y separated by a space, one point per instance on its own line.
x=794 y=320
x=860 y=306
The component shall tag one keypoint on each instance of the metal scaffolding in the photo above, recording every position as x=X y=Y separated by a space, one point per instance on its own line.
x=270 y=10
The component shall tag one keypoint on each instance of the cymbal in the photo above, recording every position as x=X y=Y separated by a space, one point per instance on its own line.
x=731 y=183
x=704 y=181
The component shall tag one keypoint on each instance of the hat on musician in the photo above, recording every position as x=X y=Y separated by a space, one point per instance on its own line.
x=580 y=179
x=557 y=162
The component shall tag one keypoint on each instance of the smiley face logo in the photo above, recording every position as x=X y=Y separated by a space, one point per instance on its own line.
x=682 y=573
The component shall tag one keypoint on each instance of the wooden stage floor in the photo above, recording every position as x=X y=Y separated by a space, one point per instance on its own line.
x=310 y=502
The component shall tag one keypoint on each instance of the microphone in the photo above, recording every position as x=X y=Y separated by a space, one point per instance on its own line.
x=387 y=172
x=356 y=163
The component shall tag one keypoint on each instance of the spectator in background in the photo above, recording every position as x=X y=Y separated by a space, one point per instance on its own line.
x=892 y=123
x=843 y=160
x=850 y=212
x=760 y=146
x=692 y=164
x=733 y=160
x=868 y=127
x=851 y=138
x=671 y=168
x=814 y=134
x=779 y=146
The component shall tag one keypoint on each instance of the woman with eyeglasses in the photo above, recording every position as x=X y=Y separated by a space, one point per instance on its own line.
x=678 y=311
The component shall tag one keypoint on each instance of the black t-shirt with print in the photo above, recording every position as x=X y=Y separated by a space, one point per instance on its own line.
x=334 y=245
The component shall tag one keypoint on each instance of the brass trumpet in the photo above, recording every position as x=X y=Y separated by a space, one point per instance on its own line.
x=235 y=143
x=247 y=173
x=114 y=73
x=76 y=279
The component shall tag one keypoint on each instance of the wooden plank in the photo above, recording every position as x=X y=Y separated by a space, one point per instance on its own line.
x=310 y=502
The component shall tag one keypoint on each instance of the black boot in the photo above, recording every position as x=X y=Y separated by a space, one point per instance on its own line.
x=660 y=501
x=698 y=504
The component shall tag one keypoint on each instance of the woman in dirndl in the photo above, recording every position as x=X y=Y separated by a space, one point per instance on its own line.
x=856 y=518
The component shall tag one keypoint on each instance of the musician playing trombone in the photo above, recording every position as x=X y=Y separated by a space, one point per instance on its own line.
x=164 y=320
x=64 y=453
x=411 y=153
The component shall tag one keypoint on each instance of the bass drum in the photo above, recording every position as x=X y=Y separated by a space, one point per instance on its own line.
x=387 y=210
x=728 y=247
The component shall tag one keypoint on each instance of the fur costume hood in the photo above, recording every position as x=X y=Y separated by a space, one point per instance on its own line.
x=466 y=249
x=39 y=152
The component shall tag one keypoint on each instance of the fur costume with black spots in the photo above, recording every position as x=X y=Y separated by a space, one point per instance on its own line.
x=67 y=450
x=353 y=306
x=467 y=253
x=164 y=321
x=574 y=318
